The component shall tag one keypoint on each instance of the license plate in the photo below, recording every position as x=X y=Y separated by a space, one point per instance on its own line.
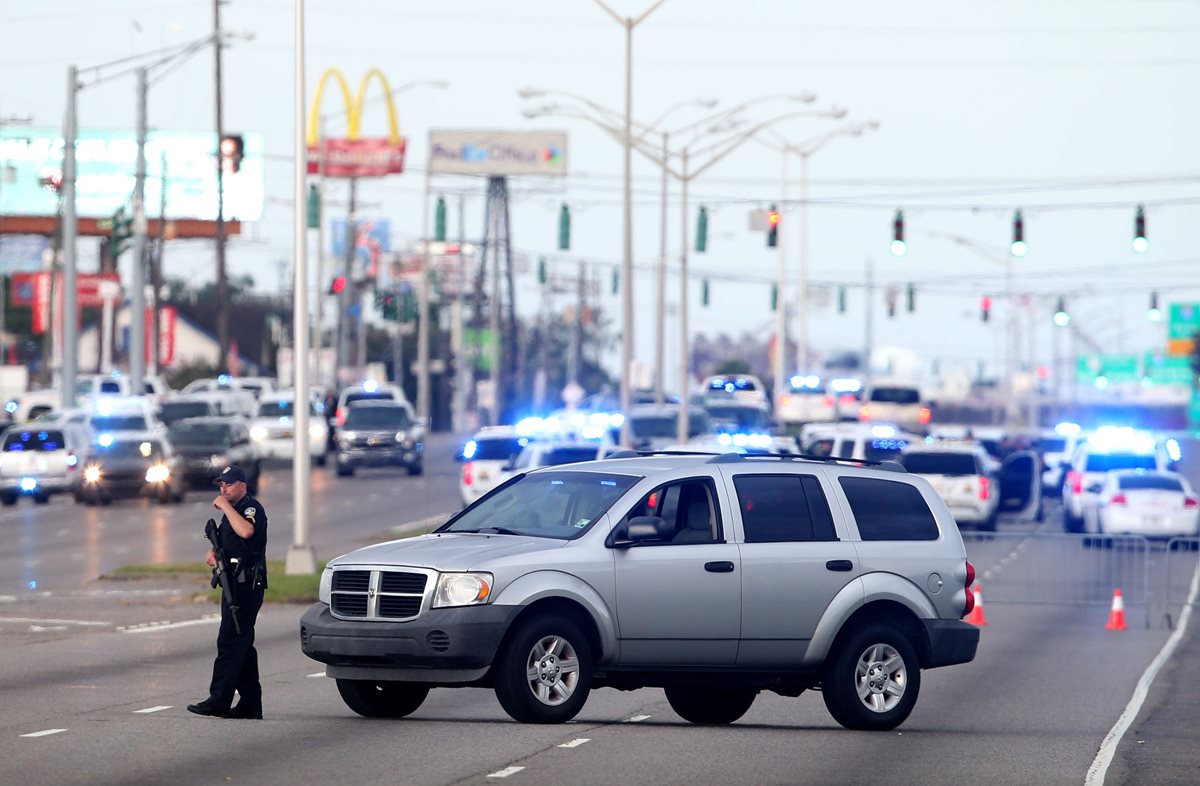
x=286 y=433
x=1154 y=521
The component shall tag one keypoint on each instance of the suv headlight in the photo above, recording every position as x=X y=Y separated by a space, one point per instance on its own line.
x=325 y=588
x=462 y=589
x=157 y=474
x=258 y=433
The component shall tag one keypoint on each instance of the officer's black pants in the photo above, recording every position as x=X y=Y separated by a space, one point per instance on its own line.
x=236 y=666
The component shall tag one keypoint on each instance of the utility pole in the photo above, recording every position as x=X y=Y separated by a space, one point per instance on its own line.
x=156 y=269
x=780 y=368
x=660 y=321
x=222 y=278
x=318 y=336
x=137 y=295
x=869 y=332
x=463 y=367
x=344 y=322
x=69 y=229
x=683 y=423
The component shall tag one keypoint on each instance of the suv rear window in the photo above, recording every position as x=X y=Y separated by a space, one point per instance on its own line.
x=364 y=396
x=178 y=410
x=552 y=458
x=896 y=395
x=888 y=510
x=496 y=449
x=940 y=463
x=783 y=508
x=1158 y=482
x=1106 y=462
x=377 y=417
x=21 y=441
x=120 y=423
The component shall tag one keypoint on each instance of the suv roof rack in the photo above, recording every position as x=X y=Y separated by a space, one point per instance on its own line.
x=628 y=453
x=736 y=458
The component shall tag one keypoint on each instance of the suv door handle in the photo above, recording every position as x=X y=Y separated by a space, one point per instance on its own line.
x=839 y=564
x=719 y=567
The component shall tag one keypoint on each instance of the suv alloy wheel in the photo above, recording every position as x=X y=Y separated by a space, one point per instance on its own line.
x=872 y=680
x=544 y=672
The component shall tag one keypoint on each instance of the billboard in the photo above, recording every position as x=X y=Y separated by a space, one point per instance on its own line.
x=354 y=155
x=372 y=238
x=498 y=153
x=106 y=162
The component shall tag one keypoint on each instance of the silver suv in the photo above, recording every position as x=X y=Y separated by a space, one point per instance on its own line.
x=713 y=577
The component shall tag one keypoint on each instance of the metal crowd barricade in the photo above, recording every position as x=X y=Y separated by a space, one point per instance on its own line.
x=1061 y=568
x=1182 y=556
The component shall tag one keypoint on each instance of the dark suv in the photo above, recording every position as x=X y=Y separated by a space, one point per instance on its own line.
x=209 y=445
x=380 y=433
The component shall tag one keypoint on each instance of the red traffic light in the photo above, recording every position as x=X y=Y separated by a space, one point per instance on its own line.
x=773 y=218
x=338 y=285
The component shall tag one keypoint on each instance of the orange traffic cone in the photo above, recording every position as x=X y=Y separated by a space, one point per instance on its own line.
x=976 y=617
x=1116 y=617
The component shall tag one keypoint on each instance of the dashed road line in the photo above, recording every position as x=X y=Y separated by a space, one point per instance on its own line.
x=636 y=719
x=504 y=773
x=156 y=627
x=575 y=743
x=8 y=598
x=37 y=621
x=149 y=710
x=44 y=733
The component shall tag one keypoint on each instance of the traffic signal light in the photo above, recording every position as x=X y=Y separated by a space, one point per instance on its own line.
x=439 y=220
x=1140 y=243
x=1154 y=313
x=1061 y=317
x=314 y=207
x=772 y=227
x=119 y=232
x=541 y=270
x=704 y=292
x=899 y=247
x=338 y=286
x=564 y=228
x=842 y=300
x=388 y=306
x=1018 y=247
x=233 y=147
x=616 y=281
x=702 y=232
x=891 y=302
x=911 y=297
x=774 y=296
x=985 y=308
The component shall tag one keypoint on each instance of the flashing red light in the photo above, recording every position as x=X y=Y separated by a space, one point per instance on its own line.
x=340 y=416
x=468 y=477
x=1118 y=499
x=338 y=286
x=985 y=485
x=773 y=218
x=924 y=416
x=1075 y=480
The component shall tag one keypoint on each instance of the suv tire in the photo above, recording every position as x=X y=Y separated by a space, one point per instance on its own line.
x=881 y=660
x=382 y=699
x=555 y=650
x=710 y=706
x=344 y=470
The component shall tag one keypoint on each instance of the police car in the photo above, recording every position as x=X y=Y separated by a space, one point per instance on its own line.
x=484 y=457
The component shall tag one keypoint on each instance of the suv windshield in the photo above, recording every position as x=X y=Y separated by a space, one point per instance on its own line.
x=494 y=448
x=553 y=457
x=392 y=418
x=741 y=418
x=896 y=395
x=940 y=463
x=364 y=396
x=283 y=408
x=664 y=426
x=200 y=434
x=178 y=410
x=548 y=505
x=133 y=449
x=19 y=441
x=120 y=423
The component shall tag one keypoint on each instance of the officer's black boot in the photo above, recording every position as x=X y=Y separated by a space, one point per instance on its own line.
x=244 y=711
x=206 y=707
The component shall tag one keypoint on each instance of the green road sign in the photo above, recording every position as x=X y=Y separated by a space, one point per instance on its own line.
x=1114 y=368
x=1161 y=369
x=1183 y=320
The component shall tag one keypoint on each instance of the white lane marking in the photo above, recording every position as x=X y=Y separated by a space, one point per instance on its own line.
x=574 y=743
x=8 y=598
x=36 y=621
x=40 y=629
x=318 y=674
x=156 y=627
x=1108 y=748
x=44 y=733
x=149 y=710
x=504 y=773
x=637 y=719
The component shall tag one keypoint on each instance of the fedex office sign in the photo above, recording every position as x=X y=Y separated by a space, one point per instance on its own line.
x=498 y=153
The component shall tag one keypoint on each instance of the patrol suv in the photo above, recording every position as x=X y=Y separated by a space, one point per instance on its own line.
x=713 y=577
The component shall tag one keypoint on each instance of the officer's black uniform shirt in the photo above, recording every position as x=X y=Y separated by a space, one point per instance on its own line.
x=246 y=550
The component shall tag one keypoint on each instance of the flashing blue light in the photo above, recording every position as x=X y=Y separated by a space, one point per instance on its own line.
x=1066 y=429
x=224 y=379
x=105 y=440
x=43 y=436
x=724 y=440
x=729 y=387
x=883 y=432
x=523 y=441
x=616 y=420
x=528 y=426
x=11 y=407
x=592 y=432
x=72 y=460
x=28 y=484
x=845 y=385
x=470 y=449
x=370 y=386
x=25 y=435
x=1173 y=450
x=282 y=403
x=759 y=440
x=33 y=584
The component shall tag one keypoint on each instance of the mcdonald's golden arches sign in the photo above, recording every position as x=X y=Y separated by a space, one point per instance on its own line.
x=354 y=155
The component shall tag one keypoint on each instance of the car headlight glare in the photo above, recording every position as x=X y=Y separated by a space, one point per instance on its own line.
x=216 y=460
x=462 y=589
x=316 y=431
x=91 y=474
x=158 y=473
x=258 y=433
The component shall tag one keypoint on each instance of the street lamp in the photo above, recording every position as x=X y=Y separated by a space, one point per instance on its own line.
x=804 y=150
x=627 y=212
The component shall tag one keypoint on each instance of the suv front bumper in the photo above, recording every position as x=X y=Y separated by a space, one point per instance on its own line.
x=442 y=645
x=950 y=642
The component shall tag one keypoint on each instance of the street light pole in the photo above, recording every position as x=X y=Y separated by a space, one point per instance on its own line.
x=137 y=295
x=69 y=228
x=660 y=320
x=780 y=371
x=682 y=423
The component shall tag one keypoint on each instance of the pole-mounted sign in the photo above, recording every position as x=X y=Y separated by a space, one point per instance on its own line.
x=355 y=155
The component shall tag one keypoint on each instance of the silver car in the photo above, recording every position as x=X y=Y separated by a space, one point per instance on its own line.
x=713 y=577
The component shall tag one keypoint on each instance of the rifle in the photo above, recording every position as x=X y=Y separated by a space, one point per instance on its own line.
x=220 y=574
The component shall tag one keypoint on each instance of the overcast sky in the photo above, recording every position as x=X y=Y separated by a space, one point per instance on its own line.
x=1073 y=111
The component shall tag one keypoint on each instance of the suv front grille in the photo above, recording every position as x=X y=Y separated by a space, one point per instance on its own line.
x=392 y=595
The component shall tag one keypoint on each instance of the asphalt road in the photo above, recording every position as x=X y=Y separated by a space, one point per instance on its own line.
x=101 y=671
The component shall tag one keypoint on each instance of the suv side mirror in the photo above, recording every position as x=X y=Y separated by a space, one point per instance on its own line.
x=643 y=528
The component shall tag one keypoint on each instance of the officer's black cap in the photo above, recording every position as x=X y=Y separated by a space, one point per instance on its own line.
x=230 y=474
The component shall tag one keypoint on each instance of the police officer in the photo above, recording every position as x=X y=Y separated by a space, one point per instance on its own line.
x=243 y=537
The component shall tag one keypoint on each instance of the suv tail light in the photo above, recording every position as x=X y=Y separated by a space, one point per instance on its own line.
x=1075 y=481
x=828 y=401
x=969 y=606
x=1189 y=502
x=984 y=487
x=924 y=416
x=864 y=413
x=468 y=474
x=1117 y=499
x=341 y=416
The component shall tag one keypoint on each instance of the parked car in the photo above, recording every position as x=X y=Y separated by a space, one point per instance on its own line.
x=1056 y=448
x=209 y=445
x=272 y=428
x=897 y=403
x=975 y=486
x=666 y=571
x=654 y=427
x=380 y=433
x=739 y=387
x=863 y=441
x=484 y=457
x=192 y=405
x=40 y=461
x=554 y=453
x=1153 y=504
x=1104 y=451
x=806 y=400
x=114 y=416
x=133 y=465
